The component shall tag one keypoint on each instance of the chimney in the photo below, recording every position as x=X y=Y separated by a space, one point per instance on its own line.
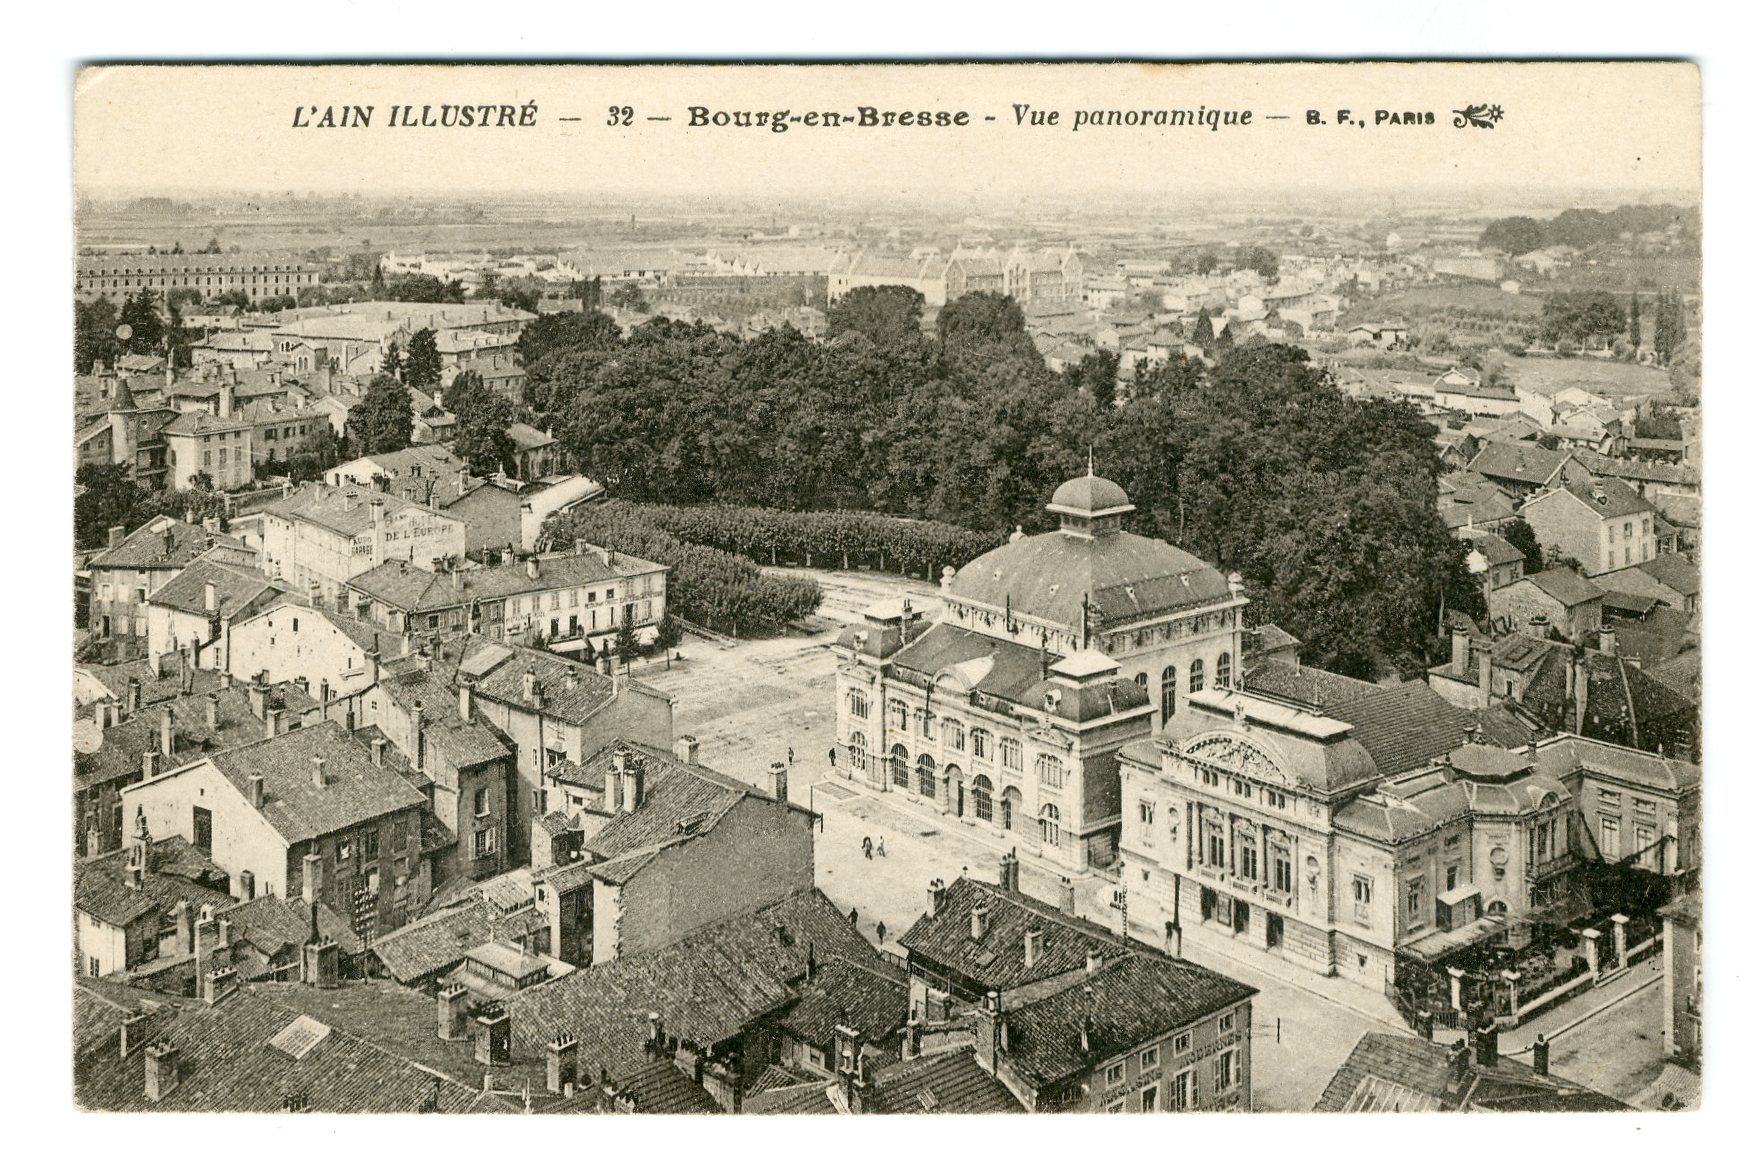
x=450 y=1013
x=166 y=733
x=686 y=748
x=320 y=778
x=183 y=915
x=1579 y=693
x=135 y=696
x=211 y=711
x=655 y=1030
x=134 y=1029
x=561 y=1066
x=980 y=913
x=529 y=688
x=1009 y=872
x=613 y=782
x=1486 y=1045
x=933 y=899
x=571 y=676
x=275 y=723
x=245 y=885
x=162 y=1071
x=211 y=598
x=1085 y=1032
x=378 y=751
x=1066 y=896
x=218 y=984
x=226 y=398
x=417 y=735
x=778 y=776
x=1483 y=660
x=633 y=776
x=320 y=962
x=257 y=790
x=378 y=519
x=117 y=535
x=148 y=765
x=1609 y=640
x=1543 y=1054
x=311 y=877
x=1030 y=950
x=1459 y=1061
x=492 y=1043
x=1459 y=649
x=1094 y=962
x=532 y=568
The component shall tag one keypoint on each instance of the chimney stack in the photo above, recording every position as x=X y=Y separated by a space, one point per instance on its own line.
x=166 y=733
x=562 y=1066
x=162 y=1071
x=257 y=790
x=1066 y=896
x=779 y=776
x=933 y=899
x=1459 y=649
x=135 y=696
x=1543 y=1055
x=465 y=699
x=117 y=535
x=1030 y=949
x=450 y=1013
x=1009 y=872
x=183 y=914
x=417 y=736
x=633 y=780
x=980 y=913
x=211 y=711
x=613 y=780
x=686 y=748
x=493 y=1042
x=378 y=520
x=311 y=877
x=211 y=598
x=378 y=751
x=320 y=779
x=1609 y=640
x=148 y=765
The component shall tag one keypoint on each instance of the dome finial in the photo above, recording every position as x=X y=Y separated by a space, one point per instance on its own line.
x=1090 y=471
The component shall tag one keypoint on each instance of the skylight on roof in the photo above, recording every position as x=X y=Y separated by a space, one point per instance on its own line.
x=300 y=1037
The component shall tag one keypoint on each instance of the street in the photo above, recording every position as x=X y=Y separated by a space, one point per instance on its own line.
x=748 y=702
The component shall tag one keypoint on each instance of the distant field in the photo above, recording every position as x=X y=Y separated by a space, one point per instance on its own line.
x=1417 y=302
x=1549 y=375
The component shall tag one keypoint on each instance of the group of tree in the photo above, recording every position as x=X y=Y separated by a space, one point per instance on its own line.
x=106 y=496
x=720 y=590
x=418 y=288
x=1326 y=505
x=481 y=420
x=1581 y=229
x=1582 y=317
x=382 y=422
x=422 y=360
x=1670 y=325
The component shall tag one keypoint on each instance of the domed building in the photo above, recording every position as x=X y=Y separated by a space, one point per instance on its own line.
x=1049 y=653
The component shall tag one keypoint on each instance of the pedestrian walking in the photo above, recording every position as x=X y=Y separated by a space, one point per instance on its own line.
x=881 y=932
x=881 y=849
x=790 y=757
x=830 y=757
x=852 y=918
x=867 y=853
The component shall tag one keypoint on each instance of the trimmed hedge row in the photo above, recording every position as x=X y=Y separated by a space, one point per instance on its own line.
x=842 y=539
x=722 y=591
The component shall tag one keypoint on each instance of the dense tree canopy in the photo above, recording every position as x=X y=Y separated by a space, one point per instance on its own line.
x=1262 y=260
x=1581 y=316
x=1326 y=505
x=94 y=339
x=422 y=360
x=1516 y=235
x=382 y=423
x=482 y=417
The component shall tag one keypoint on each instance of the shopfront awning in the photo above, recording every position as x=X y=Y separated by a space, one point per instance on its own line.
x=1432 y=946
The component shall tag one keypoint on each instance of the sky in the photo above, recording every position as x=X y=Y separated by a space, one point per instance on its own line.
x=187 y=129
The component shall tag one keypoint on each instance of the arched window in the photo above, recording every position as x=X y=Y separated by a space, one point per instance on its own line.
x=1012 y=754
x=1223 y=670
x=897 y=765
x=1050 y=770
x=1142 y=680
x=897 y=714
x=981 y=744
x=954 y=735
x=926 y=776
x=1050 y=826
x=858 y=703
x=1168 y=694
x=1195 y=675
x=982 y=797
x=858 y=748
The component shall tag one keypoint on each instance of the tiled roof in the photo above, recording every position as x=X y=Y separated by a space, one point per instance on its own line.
x=126 y=742
x=526 y=438
x=1519 y=462
x=179 y=872
x=99 y=1005
x=271 y=924
x=408 y=588
x=1565 y=754
x=1493 y=548
x=1304 y=686
x=1127 y=576
x=1132 y=1000
x=237 y=587
x=229 y=1064
x=1607 y=496
x=1683 y=673
x=997 y=961
x=870 y=1000
x=1563 y=585
x=431 y=460
x=707 y=987
x=1605 y=466
x=569 y=691
x=1401 y=1073
x=812 y=1097
x=163 y=543
x=439 y=941
x=334 y=508
x=657 y=1086
x=462 y=743
x=1410 y=725
x=679 y=801
x=296 y=808
x=947 y=1083
x=1675 y=571
x=153 y=687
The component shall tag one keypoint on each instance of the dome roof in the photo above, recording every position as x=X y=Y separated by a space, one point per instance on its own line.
x=1090 y=495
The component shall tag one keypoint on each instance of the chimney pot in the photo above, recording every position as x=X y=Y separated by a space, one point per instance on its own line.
x=980 y=913
x=934 y=898
x=257 y=790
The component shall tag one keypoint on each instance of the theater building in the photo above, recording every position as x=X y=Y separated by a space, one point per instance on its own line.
x=1006 y=708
